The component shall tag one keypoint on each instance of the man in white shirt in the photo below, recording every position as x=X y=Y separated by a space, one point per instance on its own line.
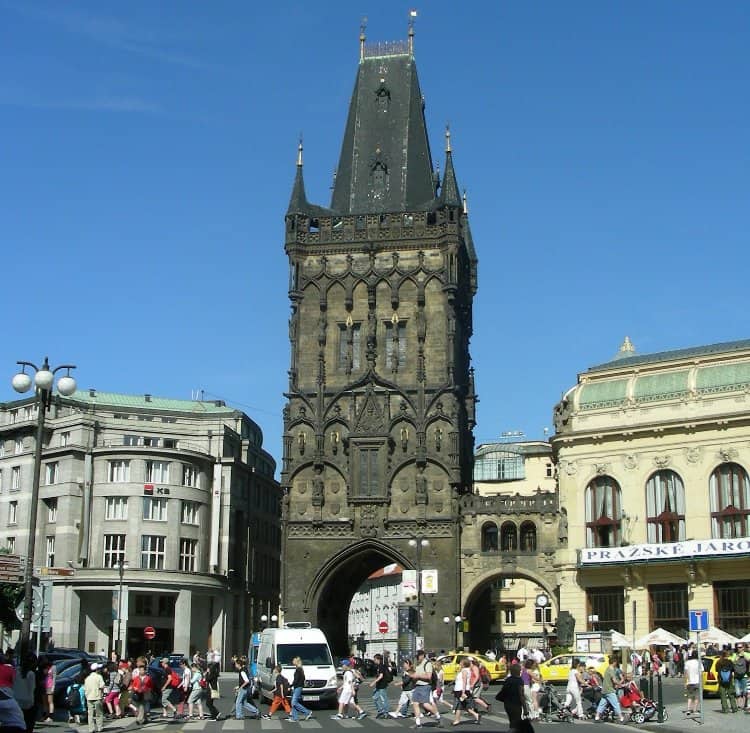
x=692 y=682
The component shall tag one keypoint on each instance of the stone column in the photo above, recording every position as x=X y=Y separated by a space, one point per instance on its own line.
x=183 y=611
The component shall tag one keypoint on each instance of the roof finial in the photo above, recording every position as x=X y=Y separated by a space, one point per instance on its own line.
x=362 y=29
x=627 y=349
x=299 y=152
x=412 y=16
x=447 y=138
x=466 y=203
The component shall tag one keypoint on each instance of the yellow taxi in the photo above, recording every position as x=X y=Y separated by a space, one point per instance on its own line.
x=452 y=661
x=710 y=676
x=558 y=668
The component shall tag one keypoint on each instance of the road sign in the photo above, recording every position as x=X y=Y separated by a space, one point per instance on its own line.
x=149 y=632
x=63 y=572
x=383 y=627
x=698 y=620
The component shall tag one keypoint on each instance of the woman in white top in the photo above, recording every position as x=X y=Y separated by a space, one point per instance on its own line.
x=462 y=693
x=573 y=690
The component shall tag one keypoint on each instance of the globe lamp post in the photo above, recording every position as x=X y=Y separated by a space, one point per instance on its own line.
x=43 y=380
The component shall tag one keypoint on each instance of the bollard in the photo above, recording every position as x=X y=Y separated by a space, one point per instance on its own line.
x=659 y=701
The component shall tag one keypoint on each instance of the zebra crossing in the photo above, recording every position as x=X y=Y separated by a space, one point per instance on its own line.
x=322 y=719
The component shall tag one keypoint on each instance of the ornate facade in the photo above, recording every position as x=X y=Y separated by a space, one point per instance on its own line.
x=653 y=454
x=378 y=443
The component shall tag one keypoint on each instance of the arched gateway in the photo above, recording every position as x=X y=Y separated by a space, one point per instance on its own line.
x=378 y=443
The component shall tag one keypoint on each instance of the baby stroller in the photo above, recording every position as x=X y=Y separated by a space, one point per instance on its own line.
x=552 y=706
x=641 y=709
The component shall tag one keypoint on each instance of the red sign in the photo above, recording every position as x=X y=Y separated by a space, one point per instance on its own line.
x=383 y=627
x=149 y=632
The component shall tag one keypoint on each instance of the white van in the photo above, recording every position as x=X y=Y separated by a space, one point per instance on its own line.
x=298 y=639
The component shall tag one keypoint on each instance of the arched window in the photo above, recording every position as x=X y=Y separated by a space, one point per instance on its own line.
x=665 y=507
x=730 y=501
x=489 y=537
x=603 y=512
x=528 y=537
x=508 y=537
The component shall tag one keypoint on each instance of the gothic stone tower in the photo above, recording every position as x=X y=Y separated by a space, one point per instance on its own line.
x=378 y=442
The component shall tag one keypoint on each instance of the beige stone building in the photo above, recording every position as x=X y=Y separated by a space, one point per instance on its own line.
x=509 y=537
x=179 y=491
x=653 y=454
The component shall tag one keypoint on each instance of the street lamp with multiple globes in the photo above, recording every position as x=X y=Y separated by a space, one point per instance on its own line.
x=264 y=620
x=419 y=543
x=121 y=566
x=455 y=620
x=43 y=380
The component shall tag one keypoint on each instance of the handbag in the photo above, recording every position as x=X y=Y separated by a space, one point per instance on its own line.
x=215 y=694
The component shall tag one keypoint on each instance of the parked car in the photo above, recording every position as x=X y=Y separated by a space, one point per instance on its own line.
x=59 y=653
x=710 y=676
x=157 y=673
x=558 y=668
x=451 y=663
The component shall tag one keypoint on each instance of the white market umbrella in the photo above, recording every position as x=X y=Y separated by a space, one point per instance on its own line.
x=746 y=637
x=714 y=635
x=620 y=641
x=659 y=637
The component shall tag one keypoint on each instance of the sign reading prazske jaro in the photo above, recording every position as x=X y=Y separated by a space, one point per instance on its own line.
x=664 y=551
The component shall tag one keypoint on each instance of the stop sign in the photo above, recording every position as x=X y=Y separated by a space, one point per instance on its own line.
x=149 y=632
x=383 y=627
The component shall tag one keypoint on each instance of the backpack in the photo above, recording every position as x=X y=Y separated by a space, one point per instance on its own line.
x=74 y=696
x=387 y=674
x=434 y=680
x=484 y=677
x=174 y=679
x=725 y=675
x=740 y=666
x=202 y=683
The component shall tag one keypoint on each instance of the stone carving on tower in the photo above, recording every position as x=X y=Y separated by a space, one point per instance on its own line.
x=380 y=406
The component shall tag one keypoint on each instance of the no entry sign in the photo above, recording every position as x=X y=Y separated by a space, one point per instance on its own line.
x=383 y=627
x=149 y=632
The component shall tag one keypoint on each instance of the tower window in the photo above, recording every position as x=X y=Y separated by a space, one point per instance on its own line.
x=349 y=347
x=395 y=344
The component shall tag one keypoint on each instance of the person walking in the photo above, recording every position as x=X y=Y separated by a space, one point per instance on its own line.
x=383 y=678
x=512 y=696
x=725 y=671
x=347 y=694
x=93 y=689
x=692 y=683
x=140 y=691
x=281 y=691
x=47 y=674
x=167 y=689
x=212 y=689
x=462 y=693
x=195 y=698
x=421 y=695
x=574 y=690
x=407 y=685
x=740 y=662
x=609 y=691
x=298 y=685
x=243 y=690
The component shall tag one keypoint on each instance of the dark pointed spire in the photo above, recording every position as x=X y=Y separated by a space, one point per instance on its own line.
x=385 y=162
x=298 y=201
x=449 y=193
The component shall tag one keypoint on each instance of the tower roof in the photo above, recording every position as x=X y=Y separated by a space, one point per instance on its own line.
x=449 y=193
x=385 y=162
x=298 y=203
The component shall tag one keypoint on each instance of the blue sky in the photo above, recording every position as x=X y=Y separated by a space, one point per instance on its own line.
x=148 y=153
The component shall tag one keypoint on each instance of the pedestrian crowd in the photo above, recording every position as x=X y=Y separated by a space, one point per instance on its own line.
x=102 y=690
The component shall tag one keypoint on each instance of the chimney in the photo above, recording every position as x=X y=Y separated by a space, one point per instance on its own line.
x=147 y=397
x=92 y=392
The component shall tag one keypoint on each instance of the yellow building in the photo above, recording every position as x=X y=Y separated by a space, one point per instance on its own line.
x=653 y=454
